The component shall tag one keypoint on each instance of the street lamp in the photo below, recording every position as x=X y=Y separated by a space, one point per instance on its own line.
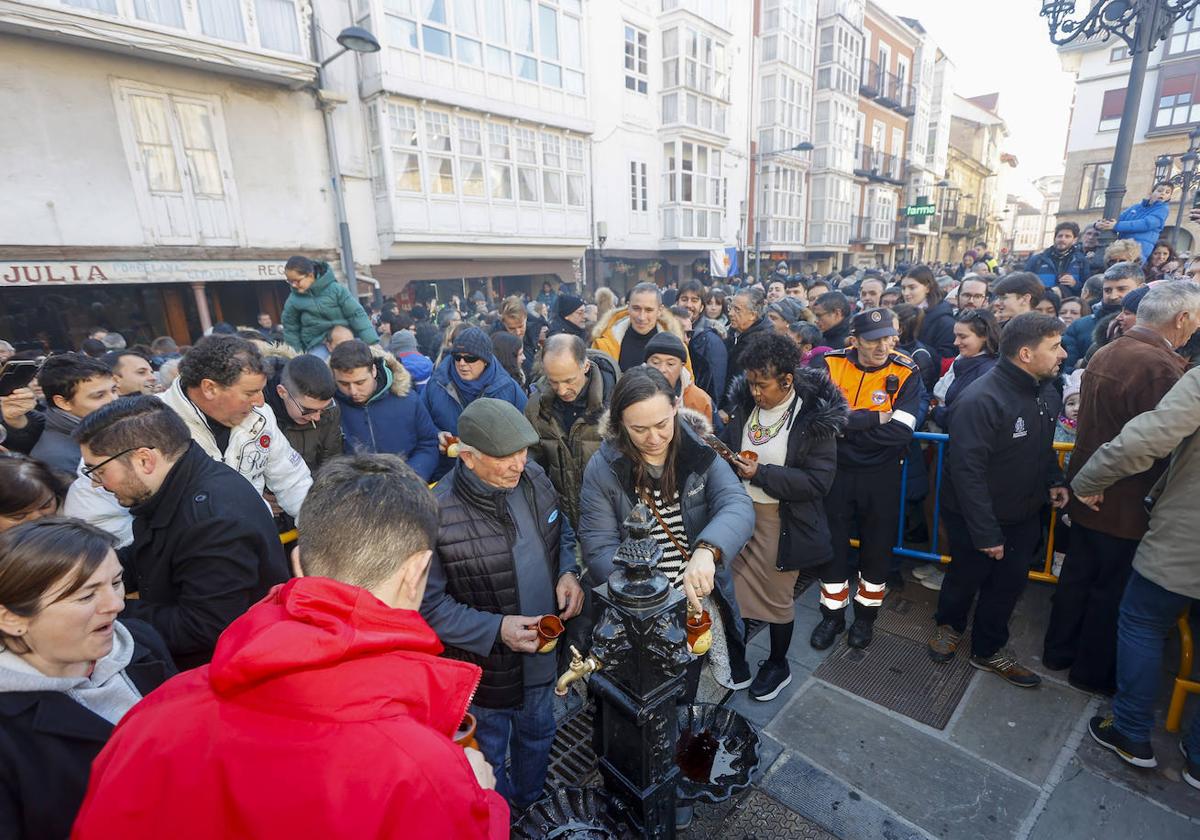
x=352 y=39
x=1183 y=180
x=803 y=146
x=1141 y=24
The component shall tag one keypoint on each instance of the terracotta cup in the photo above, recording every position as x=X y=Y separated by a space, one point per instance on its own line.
x=549 y=628
x=465 y=736
x=699 y=633
x=452 y=447
x=747 y=455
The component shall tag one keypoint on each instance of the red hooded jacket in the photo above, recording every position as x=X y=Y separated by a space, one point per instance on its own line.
x=324 y=713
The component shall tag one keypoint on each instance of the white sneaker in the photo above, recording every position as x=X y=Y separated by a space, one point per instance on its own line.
x=934 y=580
x=924 y=570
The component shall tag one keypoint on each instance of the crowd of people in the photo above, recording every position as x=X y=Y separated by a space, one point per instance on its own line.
x=763 y=422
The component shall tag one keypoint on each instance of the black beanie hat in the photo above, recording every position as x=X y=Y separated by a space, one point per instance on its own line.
x=668 y=345
x=568 y=304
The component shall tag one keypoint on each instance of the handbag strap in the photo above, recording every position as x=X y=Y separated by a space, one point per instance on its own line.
x=649 y=500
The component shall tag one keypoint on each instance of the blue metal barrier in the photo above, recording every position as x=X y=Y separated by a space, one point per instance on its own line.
x=940 y=440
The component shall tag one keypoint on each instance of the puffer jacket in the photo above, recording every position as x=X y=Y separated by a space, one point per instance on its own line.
x=1050 y=264
x=307 y=318
x=1143 y=222
x=257 y=449
x=317 y=675
x=474 y=549
x=611 y=328
x=564 y=453
x=803 y=481
x=392 y=420
x=445 y=404
x=715 y=507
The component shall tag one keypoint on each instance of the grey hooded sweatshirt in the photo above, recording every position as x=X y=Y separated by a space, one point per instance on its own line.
x=107 y=692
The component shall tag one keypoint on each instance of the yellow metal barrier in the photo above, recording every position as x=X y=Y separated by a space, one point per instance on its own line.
x=289 y=537
x=1184 y=684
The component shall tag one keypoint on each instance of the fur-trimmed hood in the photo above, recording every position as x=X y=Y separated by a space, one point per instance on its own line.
x=823 y=409
x=615 y=322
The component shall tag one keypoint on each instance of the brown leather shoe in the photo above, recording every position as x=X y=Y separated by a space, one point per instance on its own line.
x=944 y=643
x=1001 y=662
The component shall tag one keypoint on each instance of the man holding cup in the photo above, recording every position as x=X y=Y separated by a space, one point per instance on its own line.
x=504 y=560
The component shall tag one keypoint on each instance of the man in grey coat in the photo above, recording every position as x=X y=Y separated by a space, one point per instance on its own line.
x=75 y=386
x=1166 y=573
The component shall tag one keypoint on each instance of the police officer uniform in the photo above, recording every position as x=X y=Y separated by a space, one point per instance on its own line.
x=866 y=490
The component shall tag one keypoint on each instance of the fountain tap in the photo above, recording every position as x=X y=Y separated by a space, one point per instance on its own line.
x=577 y=670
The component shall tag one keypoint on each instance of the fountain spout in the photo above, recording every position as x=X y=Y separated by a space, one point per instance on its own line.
x=577 y=670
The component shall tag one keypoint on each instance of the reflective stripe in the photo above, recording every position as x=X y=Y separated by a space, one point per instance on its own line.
x=869 y=594
x=835 y=599
x=905 y=418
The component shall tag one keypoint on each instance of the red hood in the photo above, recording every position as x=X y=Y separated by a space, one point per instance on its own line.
x=323 y=650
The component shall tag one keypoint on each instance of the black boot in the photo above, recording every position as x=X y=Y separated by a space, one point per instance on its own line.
x=833 y=623
x=862 y=631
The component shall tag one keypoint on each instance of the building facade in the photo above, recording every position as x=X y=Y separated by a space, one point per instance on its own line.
x=478 y=143
x=784 y=51
x=886 y=104
x=170 y=165
x=972 y=203
x=1168 y=111
x=669 y=103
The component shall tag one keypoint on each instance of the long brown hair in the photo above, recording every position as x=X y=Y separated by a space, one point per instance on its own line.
x=637 y=385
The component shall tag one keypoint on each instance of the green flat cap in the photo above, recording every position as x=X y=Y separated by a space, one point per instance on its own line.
x=495 y=428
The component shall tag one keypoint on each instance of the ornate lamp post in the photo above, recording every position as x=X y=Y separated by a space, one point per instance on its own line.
x=1182 y=180
x=1141 y=24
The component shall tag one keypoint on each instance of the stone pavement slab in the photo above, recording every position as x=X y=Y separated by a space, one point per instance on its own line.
x=1020 y=729
x=1086 y=806
x=1164 y=784
x=837 y=807
x=929 y=782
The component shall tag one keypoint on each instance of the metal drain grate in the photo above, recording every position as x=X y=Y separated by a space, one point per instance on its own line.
x=755 y=816
x=910 y=616
x=572 y=759
x=897 y=673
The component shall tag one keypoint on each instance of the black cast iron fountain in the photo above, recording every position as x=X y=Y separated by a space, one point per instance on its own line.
x=642 y=736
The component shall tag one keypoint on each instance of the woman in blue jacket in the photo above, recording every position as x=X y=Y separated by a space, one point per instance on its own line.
x=469 y=371
x=1143 y=221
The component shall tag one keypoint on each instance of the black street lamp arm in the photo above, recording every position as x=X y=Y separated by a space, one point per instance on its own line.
x=1106 y=18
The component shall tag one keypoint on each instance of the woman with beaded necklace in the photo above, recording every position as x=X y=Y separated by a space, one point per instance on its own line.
x=784 y=422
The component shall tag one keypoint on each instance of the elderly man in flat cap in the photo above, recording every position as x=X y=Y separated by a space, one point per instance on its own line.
x=505 y=557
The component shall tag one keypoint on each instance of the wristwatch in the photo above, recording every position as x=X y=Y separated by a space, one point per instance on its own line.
x=715 y=551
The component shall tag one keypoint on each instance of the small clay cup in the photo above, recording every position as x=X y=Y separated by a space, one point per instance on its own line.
x=747 y=455
x=699 y=633
x=549 y=628
x=465 y=736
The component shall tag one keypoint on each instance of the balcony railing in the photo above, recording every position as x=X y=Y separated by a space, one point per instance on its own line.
x=870 y=83
x=870 y=229
x=950 y=219
x=878 y=166
x=887 y=88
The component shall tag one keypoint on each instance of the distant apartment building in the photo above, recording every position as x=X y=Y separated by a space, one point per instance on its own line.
x=1169 y=109
x=668 y=97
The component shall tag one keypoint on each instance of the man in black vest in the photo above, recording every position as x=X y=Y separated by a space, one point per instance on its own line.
x=505 y=557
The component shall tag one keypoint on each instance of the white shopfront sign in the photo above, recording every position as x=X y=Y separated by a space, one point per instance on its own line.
x=85 y=272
